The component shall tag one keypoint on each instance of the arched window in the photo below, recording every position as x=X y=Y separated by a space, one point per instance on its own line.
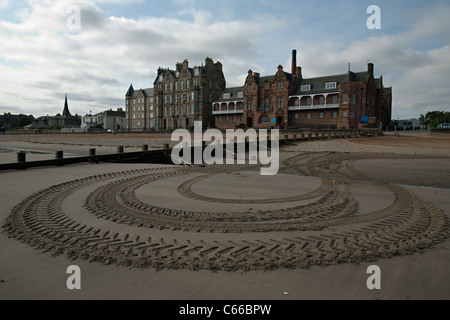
x=264 y=119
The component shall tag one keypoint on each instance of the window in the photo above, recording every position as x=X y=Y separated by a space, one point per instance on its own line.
x=352 y=113
x=335 y=114
x=226 y=118
x=344 y=113
x=250 y=104
x=279 y=102
x=187 y=84
x=220 y=119
x=181 y=85
x=353 y=97
x=305 y=87
x=227 y=95
x=242 y=118
x=334 y=100
x=250 y=88
x=267 y=86
x=240 y=94
x=165 y=86
x=308 y=101
x=308 y=115
x=322 y=100
x=192 y=96
x=264 y=119
x=331 y=85
x=176 y=86
x=321 y=115
x=266 y=104
x=280 y=85
x=234 y=118
x=296 y=116
x=344 y=98
x=196 y=72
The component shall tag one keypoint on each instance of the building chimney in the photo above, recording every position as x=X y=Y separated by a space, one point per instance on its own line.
x=294 y=61
x=370 y=68
x=298 y=73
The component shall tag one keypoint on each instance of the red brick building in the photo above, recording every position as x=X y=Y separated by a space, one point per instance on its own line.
x=287 y=100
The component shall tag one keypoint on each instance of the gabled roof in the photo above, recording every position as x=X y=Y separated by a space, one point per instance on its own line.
x=271 y=78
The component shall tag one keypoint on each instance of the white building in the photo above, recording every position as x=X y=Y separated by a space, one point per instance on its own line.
x=111 y=120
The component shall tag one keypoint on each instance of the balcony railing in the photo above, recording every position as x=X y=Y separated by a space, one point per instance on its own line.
x=314 y=106
x=232 y=111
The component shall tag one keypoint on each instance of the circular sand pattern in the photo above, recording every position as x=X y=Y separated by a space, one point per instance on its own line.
x=328 y=229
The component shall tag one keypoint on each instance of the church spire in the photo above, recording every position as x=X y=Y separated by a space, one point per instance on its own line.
x=66 y=111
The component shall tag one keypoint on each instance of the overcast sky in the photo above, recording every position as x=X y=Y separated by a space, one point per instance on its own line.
x=42 y=56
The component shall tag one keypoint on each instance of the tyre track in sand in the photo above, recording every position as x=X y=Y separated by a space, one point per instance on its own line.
x=311 y=233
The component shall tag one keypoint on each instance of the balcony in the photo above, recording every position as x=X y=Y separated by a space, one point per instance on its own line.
x=314 y=107
x=232 y=111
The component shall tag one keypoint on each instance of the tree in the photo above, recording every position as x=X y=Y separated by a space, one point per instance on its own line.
x=434 y=118
x=23 y=122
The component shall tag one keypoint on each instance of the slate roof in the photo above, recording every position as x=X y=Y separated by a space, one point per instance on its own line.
x=318 y=84
x=233 y=94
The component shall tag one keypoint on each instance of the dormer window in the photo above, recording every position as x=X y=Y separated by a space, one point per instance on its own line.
x=240 y=94
x=227 y=95
x=306 y=87
x=331 y=85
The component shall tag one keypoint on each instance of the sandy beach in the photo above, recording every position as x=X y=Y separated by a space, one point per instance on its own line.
x=149 y=231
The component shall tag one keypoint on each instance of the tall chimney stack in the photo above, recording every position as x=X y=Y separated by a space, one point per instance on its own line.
x=294 y=61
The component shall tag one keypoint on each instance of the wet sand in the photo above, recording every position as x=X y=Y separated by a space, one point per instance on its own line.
x=144 y=231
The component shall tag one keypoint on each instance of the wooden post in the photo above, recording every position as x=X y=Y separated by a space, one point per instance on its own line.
x=21 y=157
x=119 y=149
x=145 y=147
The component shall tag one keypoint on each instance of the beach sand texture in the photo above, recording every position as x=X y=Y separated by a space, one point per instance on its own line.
x=147 y=231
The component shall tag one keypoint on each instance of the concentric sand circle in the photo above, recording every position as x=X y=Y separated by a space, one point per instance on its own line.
x=183 y=218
